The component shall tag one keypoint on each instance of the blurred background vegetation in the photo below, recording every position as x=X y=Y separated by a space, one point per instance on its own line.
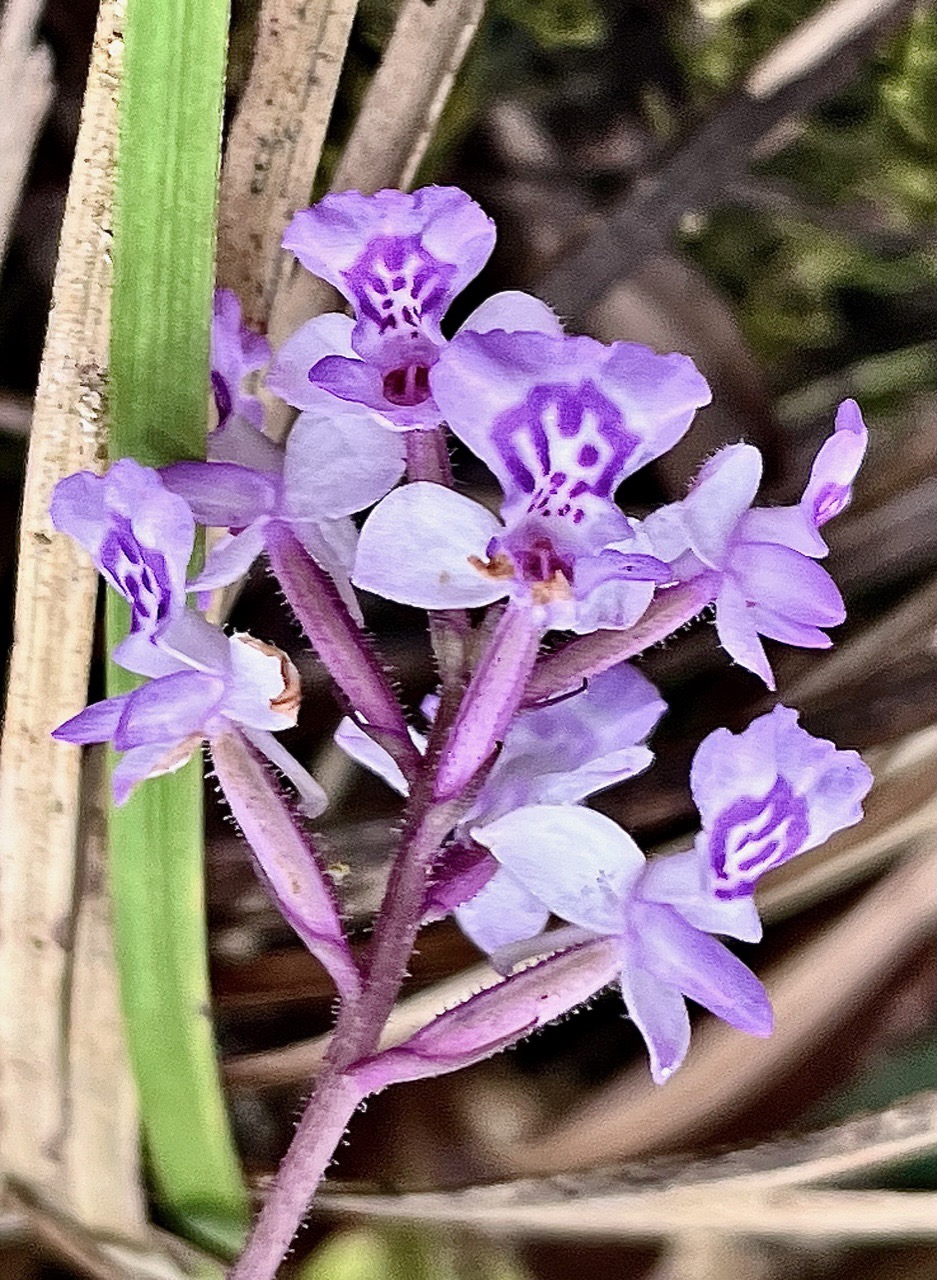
x=804 y=273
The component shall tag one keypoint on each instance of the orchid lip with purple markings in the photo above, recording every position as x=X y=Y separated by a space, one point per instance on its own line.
x=561 y=422
x=399 y=259
x=140 y=537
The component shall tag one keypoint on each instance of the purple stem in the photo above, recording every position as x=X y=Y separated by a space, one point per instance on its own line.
x=318 y=1133
x=428 y=459
x=589 y=655
x=356 y=1036
x=493 y=696
x=491 y=699
x=340 y=643
x=285 y=861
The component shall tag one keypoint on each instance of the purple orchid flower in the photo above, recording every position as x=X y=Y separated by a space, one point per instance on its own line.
x=140 y=537
x=764 y=796
x=583 y=868
x=236 y=352
x=561 y=422
x=767 y=582
x=331 y=466
x=222 y=683
x=559 y=754
x=400 y=260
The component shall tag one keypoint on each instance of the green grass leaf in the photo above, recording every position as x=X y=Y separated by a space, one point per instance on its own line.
x=164 y=239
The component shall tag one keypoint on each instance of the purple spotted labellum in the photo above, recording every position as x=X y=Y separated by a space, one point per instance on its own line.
x=140 y=537
x=561 y=422
x=399 y=260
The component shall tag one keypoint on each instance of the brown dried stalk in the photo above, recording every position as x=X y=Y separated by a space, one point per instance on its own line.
x=276 y=140
x=760 y=1192
x=69 y=1124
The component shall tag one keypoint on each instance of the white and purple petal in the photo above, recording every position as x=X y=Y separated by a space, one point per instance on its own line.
x=425 y=545
x=579 y=864
x=338 y=463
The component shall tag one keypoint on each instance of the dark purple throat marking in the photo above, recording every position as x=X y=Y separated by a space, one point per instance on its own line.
x=755 y=834
x=562 y=443
x=140 y=574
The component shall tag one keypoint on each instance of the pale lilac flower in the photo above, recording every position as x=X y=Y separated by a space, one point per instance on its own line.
x=400 y=259
x=236 y=352
x=767 y=584
x=558 y=754
x=583 y=868
x=764 y=796
x=561 y=422
x=140 y=537
x=221 y=683
x=331 y=466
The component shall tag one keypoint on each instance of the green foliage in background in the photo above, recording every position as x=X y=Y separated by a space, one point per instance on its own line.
x=871 y=153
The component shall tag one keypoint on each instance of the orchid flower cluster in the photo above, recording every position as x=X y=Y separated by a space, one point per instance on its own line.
x=500 y=763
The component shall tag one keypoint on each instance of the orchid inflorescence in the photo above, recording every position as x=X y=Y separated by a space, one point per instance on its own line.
x=503 y=757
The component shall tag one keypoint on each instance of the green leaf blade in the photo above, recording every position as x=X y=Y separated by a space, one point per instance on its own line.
x=164 y=237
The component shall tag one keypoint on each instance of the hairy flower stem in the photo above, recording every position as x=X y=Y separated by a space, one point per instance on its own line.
x=317 y=1135
x=497 y=687
x=494 y=694
x=449 y=629
x=340 y=643
x=356 y=1036
x=564 y=670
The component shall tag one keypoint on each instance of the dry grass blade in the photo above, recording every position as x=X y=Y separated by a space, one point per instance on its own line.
x=156 y=1256
x=46 y=988
x=395 y=124
x=726 y=1071
x=401 y=110
x=755 y=1192
x=796 y=1216
x=276 y=140
x=25 y=96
